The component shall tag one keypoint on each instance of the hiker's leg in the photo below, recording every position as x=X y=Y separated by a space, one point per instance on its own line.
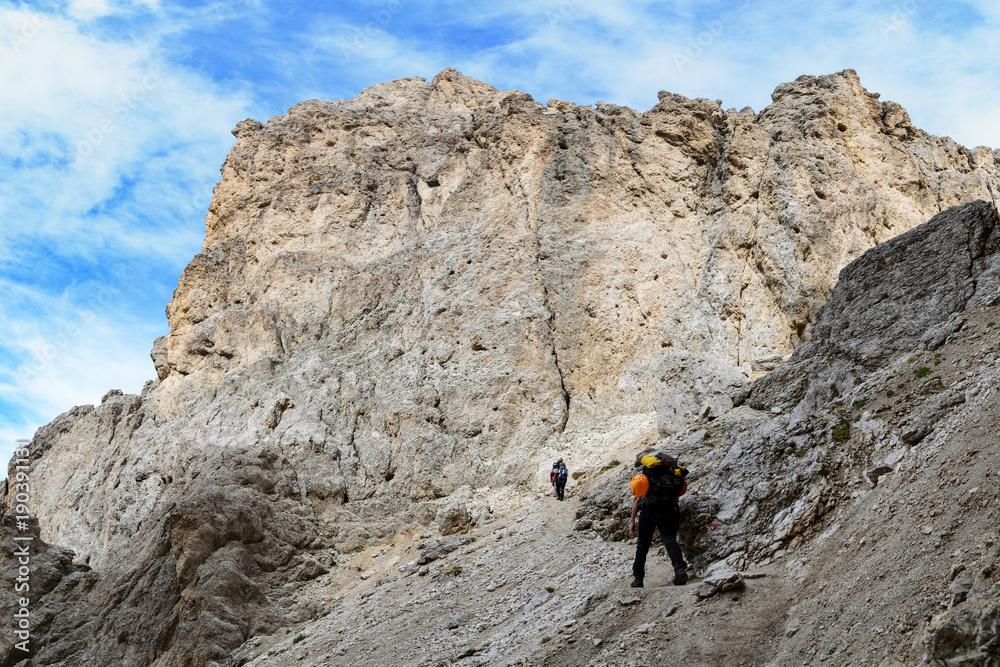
x=645 y=531
x=668 y=524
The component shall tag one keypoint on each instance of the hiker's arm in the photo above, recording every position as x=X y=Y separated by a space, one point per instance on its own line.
x=631 y=521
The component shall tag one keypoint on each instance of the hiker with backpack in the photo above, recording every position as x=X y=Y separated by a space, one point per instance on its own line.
x=558 y=477
x=657 y=489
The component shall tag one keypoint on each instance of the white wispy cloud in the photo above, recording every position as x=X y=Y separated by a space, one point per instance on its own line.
x=91 y=116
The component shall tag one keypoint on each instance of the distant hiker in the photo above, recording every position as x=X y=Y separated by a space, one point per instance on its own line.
x=558 y=477
x=656 y=491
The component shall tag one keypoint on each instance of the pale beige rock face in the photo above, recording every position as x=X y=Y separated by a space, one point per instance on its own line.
x=456 y=235
x=413 y=291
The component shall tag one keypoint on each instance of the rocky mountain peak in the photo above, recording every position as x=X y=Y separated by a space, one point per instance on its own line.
x=409 y=302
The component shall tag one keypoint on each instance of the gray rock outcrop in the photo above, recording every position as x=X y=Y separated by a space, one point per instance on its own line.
x=898 y=296
x=965 y=635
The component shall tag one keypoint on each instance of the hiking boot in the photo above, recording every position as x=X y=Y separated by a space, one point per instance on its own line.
x=680 y=576
x=637 y=582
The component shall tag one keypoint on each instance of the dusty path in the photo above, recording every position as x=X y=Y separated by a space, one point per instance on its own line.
x=527 y=590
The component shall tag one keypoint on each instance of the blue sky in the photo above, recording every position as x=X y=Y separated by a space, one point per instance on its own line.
x=115 y=118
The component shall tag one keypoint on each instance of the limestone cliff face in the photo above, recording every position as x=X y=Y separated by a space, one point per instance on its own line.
x=409 y=292
x=472 y=241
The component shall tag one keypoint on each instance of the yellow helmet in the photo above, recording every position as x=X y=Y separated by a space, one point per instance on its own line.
x=640 y=485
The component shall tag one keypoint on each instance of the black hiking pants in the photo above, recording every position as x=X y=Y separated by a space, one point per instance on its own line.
x=560 y=488
x=666 y=517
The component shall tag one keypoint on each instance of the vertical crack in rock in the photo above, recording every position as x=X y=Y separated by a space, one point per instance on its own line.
x=749 y=248
x=555 y=357
x=551 y=320
x=982 y=239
